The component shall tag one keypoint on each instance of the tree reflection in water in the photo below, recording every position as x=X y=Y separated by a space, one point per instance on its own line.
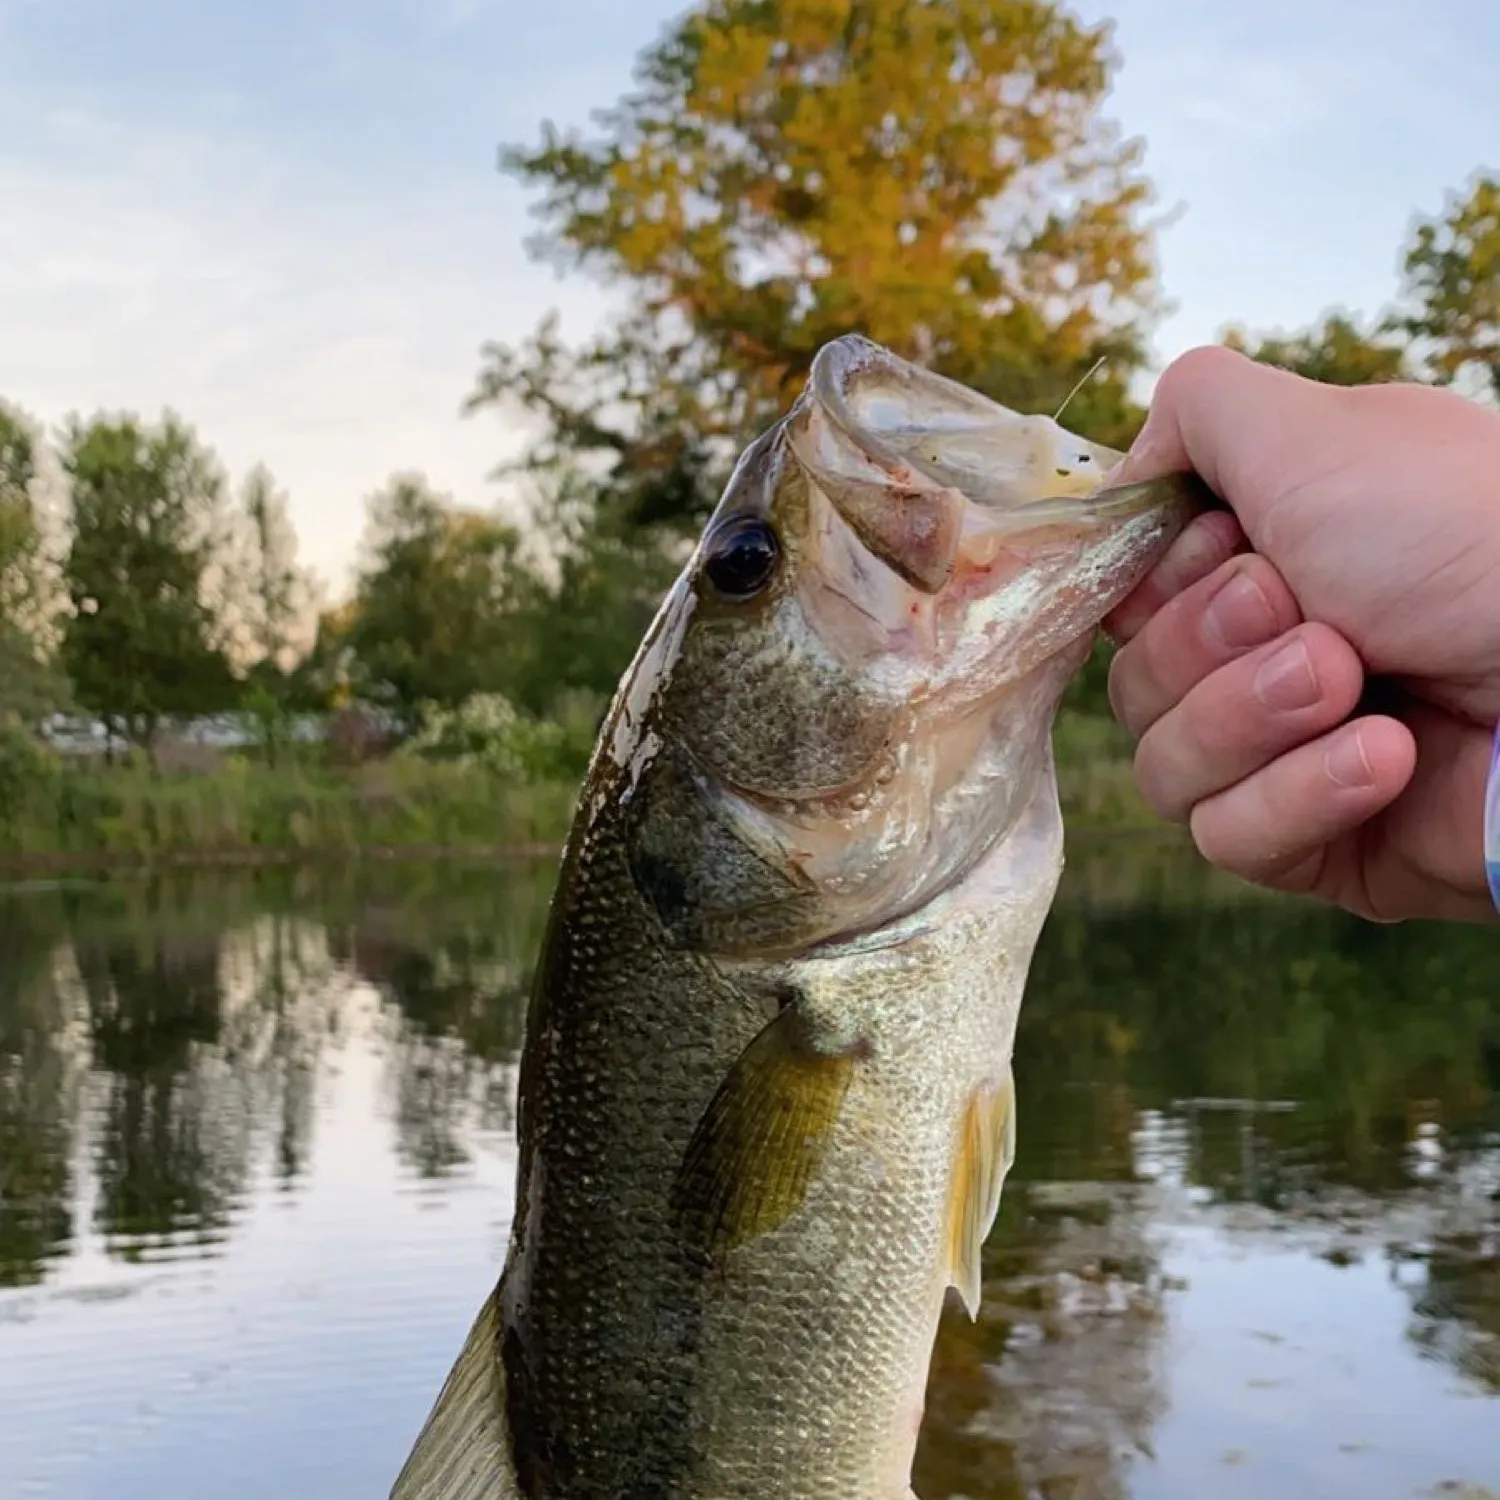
x=1189 y=1053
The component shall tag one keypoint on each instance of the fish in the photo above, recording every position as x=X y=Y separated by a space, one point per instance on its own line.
x=766 y=1104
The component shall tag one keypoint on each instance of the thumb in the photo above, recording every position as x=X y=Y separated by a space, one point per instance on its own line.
x=1238 y=424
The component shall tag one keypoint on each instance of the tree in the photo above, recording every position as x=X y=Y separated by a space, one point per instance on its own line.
x=20 y=534
x=435 y=602
x=321 y=680
x=578 y=627
x=937 y=176
x=274 y=599
x=146 y=517
x=279 y=595
x=1452 y=287
x=29 y=685
x=1336 y=351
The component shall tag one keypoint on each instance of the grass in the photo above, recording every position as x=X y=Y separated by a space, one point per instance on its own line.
x=246 y=812
x=1095 y=782
x=59 y=816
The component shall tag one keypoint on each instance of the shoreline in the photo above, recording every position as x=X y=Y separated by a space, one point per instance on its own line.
x=19 y=867
x=22 y=867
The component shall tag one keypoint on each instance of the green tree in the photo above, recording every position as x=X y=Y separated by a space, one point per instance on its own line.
x=578 y=626
x=1336 y=351
x=20 y=533
x=143 y=642
x=29 y=684
x=279 y=594
x=939 y=177
x=1451 y=291
x=322 y=678
x=434 y=610
x=275 y=599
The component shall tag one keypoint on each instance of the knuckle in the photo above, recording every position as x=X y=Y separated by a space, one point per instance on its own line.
x=1221 y=718
x=1204 y=362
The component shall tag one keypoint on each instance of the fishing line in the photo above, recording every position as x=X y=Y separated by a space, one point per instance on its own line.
x=1088 y=376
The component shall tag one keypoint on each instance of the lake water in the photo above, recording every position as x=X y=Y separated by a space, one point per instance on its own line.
x=256 y=1165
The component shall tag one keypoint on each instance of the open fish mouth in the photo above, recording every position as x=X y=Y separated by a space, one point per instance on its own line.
x=931 y=475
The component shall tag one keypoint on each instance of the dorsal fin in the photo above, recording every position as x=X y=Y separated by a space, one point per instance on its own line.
x=463 y=1450
x=984 y=1151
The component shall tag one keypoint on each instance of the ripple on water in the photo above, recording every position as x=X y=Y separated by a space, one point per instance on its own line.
x=256 y=1168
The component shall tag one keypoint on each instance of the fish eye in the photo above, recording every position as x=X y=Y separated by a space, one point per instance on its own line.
x=742 y=558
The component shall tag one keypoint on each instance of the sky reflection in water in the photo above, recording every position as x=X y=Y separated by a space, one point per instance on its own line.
x=256 y=1170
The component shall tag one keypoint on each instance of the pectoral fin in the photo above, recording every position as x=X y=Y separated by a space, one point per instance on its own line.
x=985 y=1149
x=762 y=1136
x=463 y=1452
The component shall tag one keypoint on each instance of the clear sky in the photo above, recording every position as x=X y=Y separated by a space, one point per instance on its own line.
x=284 y=221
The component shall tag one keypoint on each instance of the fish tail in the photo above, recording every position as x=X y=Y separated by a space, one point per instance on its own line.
x=463 y=1450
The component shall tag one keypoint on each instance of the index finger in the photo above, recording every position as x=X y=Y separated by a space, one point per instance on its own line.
x=1205 y=544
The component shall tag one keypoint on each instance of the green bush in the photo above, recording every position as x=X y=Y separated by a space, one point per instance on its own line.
x=488 y=732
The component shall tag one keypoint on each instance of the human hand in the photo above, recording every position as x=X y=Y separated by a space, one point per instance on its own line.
x=1320 y=709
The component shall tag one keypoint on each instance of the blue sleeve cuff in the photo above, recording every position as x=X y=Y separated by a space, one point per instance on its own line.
x=1492 y=821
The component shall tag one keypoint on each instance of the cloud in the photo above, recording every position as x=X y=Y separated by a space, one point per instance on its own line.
x=293 y=315
x=287 y=225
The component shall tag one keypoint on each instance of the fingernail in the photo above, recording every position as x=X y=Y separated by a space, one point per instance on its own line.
x=1346 y=762
x=1286 y=681
x=1239 y=614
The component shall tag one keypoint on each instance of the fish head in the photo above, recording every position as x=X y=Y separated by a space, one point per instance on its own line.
x=853 y=683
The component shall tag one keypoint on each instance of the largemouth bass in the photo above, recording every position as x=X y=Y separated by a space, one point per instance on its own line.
x=766 y=1106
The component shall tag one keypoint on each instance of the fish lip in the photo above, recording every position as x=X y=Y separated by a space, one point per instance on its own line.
x=927 y=521
x=1121 y=501
x=835 y=367
x=1107 y=505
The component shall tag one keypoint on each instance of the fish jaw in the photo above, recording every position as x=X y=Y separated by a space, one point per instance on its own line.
x=975 y=542
x=859 y=734
x=971 y=608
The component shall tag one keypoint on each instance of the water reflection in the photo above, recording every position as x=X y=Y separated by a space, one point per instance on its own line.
x=1260 y=1146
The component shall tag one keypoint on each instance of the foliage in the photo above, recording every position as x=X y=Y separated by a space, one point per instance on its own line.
x=273 y=598
x=579 y=626
x=321 y=680
x=20 y=533
x=1335 y=351
x=434 y=608
x=771 y=180
x=1452 y=287
x=775 y=181
x=1444 y=326
x=30 y=685
x=23 y=766
x=275 y=595
x=142 y=641
x=488 y=733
